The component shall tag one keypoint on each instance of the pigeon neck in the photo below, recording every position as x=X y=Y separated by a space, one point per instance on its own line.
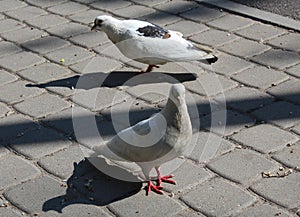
x=173 y=113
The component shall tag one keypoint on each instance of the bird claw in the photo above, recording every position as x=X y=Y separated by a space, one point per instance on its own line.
x=166 y=179
x=152 y=187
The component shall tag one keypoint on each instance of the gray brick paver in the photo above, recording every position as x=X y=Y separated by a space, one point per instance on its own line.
x=7 y=25
x=262 y=210
x=288 y=42
x=22 y=35
x=9 y=212
x=7 y=5
x=67 y=8
x=67 y=30
x=230 y=22
x=47 y=21
x=176 y=7
x=7 y=48
x=289 y=156
x=295 y=71
x=26 y=13
x=202 y=14
x=6 y=77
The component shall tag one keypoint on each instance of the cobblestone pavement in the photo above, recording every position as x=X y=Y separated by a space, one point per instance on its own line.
x=46 y=45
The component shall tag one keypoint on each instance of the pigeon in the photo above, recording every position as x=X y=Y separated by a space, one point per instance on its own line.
x=154 y=141
x=151 y=44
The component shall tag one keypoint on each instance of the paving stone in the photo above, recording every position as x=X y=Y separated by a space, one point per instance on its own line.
x=277 y=58
x=111 y=5
x=280 y=113
x=86 y=17
x=22 y=35
x=98 y=99
x=176 y=7
x=187 y=176
x=218 y=198
x=245 y=99
x=90 y=39
x=71 y=54
x=7 y=48
x=39 y=142
x=9 y=213
x=133 y=11
x=244 y=48
x=150 y=3
x=265 y=138
x=260 y=32
x=15 y=170
x=289 y=156
x=61 y=163
x=18 y=91
x=67 y=30
x=44 y=72
x=7 y=25
x=209 y=84
x=13 y=126
x=78 y=210
x=224 y=123
x=47 y=21
x=295 y=71
x=67 y=8
x=3 y=152
x=260 y=77
x=248 y=169
x=213 y=37
x=42 y=105
x=6 y=77
x=188 y=28
x=296 y=129
x=45 y=44
x=284 y=191
x=189 y=213
x=4 y=109
x=288 y=90
x=26 y=13
x=230 y=22
x=224 y=64
x=160 y=18
x=32 y=195
x=137 y=203
x=262 y=210
x=25 y=60
x=202 y=14
x=208 y=146
x=287 y=42
x=7 y=5
x=45 y=4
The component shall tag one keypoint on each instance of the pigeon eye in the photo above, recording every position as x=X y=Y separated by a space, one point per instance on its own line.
x=98 y=22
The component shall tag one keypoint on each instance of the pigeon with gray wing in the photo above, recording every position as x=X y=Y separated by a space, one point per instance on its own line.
x=151 y=44
x=154 y=141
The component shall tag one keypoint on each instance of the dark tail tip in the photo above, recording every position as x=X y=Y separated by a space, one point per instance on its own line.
x=212 y=59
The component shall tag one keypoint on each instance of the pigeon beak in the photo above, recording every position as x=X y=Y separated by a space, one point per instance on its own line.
x=93 y=27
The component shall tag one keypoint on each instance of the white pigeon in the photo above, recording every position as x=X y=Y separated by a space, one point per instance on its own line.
x=154 y=141
x=151 y=44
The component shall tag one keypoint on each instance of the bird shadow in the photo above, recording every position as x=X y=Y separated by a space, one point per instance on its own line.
x=87 y=185
x=115 y=79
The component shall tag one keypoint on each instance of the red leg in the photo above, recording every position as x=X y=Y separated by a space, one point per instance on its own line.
x=152 y=187
x=164 y=178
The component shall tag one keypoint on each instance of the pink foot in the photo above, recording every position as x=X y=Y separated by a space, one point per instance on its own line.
x=152 y=187
x=165 y=179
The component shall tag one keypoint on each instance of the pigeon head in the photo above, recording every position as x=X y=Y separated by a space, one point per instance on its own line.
x=103 y=21
x=177 y=94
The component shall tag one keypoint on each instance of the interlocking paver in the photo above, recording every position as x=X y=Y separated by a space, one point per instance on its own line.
x=213 y=37
x=188 y=28
x=86 y=17
x=260 y=32
x=42 y=105
x=248 y=169
x=47 y=21
x=7 y=25
x=289 y=156
x=7 y=5
x=245 y=99
x=244 y=48
x=150 y=2
x=45 y=44
x=18 y=91
x=262 y=210
x=295 y=71
x=281 y=113
x=224 y=64
x=277 y=58
x=67 y=8
x=218 y=198
x=265 y=138
x=45 y=4
x=3 y=151
x=111 y=5
x=22 y=35
x=176 y=7
x=296 y=129
x=160 y=18
x=288 y=90
x=287 y=42
x=90 y=39
x=15 y=170
x=25 y=60
x=31 y=196
x=7 y=48
x=284 y=191
x=26 y=13
x=61 y=163
x=202 y=14
x=4 y=109
x=230 y=22
x=67 y=30
x=6 y=77
x=44 y=72
x=260 y=77
x=9 y=213
x=133 y=11
x=71 y=54
x=137 y=204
